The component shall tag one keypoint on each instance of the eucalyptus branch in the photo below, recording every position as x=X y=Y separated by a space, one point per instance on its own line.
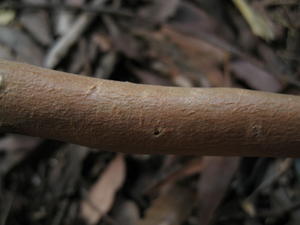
x=135 y=118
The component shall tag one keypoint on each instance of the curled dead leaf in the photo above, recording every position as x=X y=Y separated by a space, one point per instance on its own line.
x=255 y=77
x=101 y=196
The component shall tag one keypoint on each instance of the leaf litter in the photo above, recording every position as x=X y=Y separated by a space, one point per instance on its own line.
x=241 y=43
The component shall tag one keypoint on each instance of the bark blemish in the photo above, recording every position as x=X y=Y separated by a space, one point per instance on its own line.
x=256 y=130
x=91 y=90
x=157 y=132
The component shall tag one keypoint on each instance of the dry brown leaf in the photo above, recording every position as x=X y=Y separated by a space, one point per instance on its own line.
x=122 y=41
x=102 y=42
x=186 y=56
x=147 y=77
x=192 y=167
x=215 y=178
x=101 y=196
x=170 y=208
x=255 y=77
x=198 y=53
x=159 y=11
x=194 y=21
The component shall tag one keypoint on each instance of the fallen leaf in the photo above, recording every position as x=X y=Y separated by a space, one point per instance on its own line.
x=6 y=16
x=122 y=41
x=101 y=196
x=214 y=181
x=192 y=167
x=195 y=48
x=259 y=25
x=195 y=22
x=255 y=77
x=147 y=77
x=102 y=41
x=171 y=208
x=191 y=18
x=181 y=80
x=159 y=11
x=187 y=59
x=272 y=61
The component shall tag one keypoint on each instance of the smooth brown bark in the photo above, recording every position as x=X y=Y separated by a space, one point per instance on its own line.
x=134 y=118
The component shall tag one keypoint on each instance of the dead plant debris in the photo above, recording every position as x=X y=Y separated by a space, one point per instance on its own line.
x=241 y=43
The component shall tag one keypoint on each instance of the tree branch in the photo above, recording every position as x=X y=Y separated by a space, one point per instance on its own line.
x=134 y=118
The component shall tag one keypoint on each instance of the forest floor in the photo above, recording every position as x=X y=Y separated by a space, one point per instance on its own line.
x=189 y=43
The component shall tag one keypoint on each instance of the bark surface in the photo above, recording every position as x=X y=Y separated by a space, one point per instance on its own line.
x=134 y=118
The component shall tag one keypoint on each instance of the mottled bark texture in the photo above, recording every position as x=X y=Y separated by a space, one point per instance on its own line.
x=134 y=118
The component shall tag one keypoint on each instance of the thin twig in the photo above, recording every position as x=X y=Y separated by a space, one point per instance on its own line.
x=62 y=46
x=284 y=167
x=105 y=216
x=62 y=6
